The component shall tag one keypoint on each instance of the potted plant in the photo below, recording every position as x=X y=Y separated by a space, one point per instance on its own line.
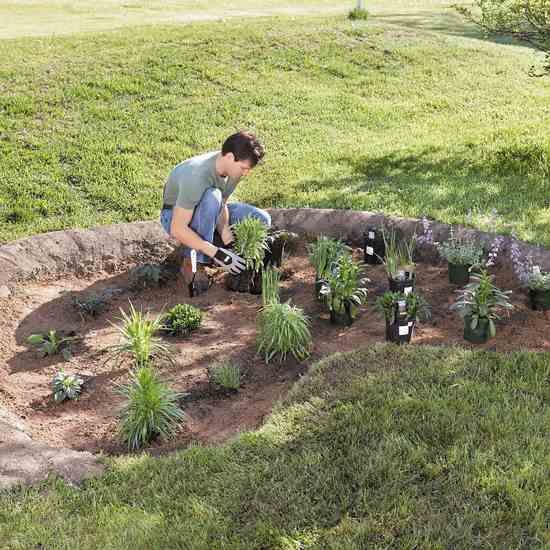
x=416 y=309
x=461 y=255
x=250 y=243
x=399 y=262
x=479 y=304
x=538 y=283
x=374 y=249
x=344 y=290
x=323 y=253
x=279 y=244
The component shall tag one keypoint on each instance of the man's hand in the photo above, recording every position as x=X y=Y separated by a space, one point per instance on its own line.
x=229 y=261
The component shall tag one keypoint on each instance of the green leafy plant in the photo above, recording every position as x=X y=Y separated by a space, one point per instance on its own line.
x=145 y=276
x=225 y=374
x=91 y=305
x=482 y=300
x=460 y=251
x=151 y=409
x=66 y=386
x=270 y=285
x=323 y=253
x=399 y=256
x=138 y=340
x=52 y=343
x=417 y=307
x=250 y=241
x=182 y=319
x=358 y=14
x=283 y=329
x=538 y=280
x=344 y=286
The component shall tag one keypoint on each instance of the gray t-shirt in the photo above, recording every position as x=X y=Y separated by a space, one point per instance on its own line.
x=190 y=178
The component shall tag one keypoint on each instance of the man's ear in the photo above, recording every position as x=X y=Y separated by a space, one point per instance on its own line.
x=230 y=157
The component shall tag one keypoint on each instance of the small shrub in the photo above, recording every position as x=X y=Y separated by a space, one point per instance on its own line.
x=270 y=286
x=138 y=340
x=182 y=319
x=225 y=374
x=66 y=386
x=151 y=410
x=53 y=343
x=283 y=329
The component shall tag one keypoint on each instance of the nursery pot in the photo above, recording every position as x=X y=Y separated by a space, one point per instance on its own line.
x=245 y=281
x=318 y=287
x=392 y=332
x=480 y=334
x=539 y=299
x=344 y=318
x=275 y=251
x=406 y=286
x=374 y=248
x=459 y=274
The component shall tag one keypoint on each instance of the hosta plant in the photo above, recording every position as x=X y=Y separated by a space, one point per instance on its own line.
x=480 y=304
x=66 y=386
x=151 y=409
x=283 y=329
x=138 y=339
x=270 y=285
x=52 y=343
x=250 y=241
x=226 y=375
x=182 y=319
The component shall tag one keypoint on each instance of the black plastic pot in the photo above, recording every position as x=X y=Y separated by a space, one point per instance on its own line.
x=344 y=318
x=318 y=287
x=246 y=281
x=480 y=334
x=539 y=299
x=374 y=249
x=392 y=332
x=405 y=286
x=459 y=274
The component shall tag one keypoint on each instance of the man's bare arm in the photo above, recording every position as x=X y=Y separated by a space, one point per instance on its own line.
x=223 y=225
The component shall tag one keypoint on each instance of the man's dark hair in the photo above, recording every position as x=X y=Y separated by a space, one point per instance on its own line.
x=244 y=146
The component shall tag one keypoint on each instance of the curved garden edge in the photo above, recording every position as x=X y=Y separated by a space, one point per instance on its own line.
x=24 y=461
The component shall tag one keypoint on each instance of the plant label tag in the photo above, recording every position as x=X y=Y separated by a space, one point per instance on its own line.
x=370 y=250
x=193 y=260
x=407 y=290
x=536 y=270
x=371 y=234
x=404 y=331
x=410 y=323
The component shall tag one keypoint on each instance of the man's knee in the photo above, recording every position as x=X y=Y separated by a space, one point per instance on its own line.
x=263 y=216
x=212 y=198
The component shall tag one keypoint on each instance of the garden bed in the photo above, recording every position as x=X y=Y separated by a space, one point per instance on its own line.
x=228 y=331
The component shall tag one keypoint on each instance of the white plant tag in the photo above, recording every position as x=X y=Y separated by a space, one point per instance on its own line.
x=404 y=331
x=193 y=260
x=370 y=250
x=536 y=270
x=371 y=234
x=407 y=290
x=410 y=323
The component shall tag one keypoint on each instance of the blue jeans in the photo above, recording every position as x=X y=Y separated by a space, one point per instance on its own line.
x=206 y=214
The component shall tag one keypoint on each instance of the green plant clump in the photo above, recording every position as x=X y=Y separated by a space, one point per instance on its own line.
x=417 y=307
x=250 y=241
x=358 y=14
x=270 y=286
x=52 y=343
x=399 y=256
x=225 y=374
x=481 y=300
x=283 y=329
x=138 y=338
x=182 y=319
x=538 y=280
x=323 y=253
x=145 y=276
x=151 y=409
x=459 y=251
x=66 y=386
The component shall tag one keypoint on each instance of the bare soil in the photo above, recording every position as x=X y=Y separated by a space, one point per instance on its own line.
x=228 y=332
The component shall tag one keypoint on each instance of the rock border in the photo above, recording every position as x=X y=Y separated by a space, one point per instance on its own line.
x=24 y=461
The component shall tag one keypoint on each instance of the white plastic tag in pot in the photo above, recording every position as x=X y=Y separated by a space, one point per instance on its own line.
x=403 y=331
x=370 y=250
x=371 y=234
x=407 y=290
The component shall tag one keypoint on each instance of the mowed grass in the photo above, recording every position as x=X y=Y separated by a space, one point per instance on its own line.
x=385 y=447
x=375 y=116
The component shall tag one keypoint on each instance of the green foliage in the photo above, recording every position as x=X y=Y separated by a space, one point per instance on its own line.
x=283 y=329
x=52 y=343
x=182 y=319
x=270 y=285
x=250 y=241
x=151 y=409
x=225 y=374
x=66 y=386
x=344 y=285
x=138 y=340
x=358 y=14
x=538 y=280
x=399 y=256
x=460 y=250
x=323 y=253
x=480 y=299
x=90 y=305
x=145 y=276
x=417 y=307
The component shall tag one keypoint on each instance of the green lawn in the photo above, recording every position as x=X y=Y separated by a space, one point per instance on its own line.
x=382 y=448
x=406 y=113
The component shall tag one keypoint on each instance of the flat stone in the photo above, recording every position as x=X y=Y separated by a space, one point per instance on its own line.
x=4 y=292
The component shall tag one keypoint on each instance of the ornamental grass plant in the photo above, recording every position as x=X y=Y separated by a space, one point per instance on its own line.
x=226 y=375
x=250 y=241
x=270 y=285
x=323 y=253
x=399 y=255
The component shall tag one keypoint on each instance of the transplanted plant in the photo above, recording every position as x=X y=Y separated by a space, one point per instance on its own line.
x=66 y=386
x=151 y=409
x=226 y=375
x=145 y=276
x=270 y=285
x=250 y=242
x=399 y=255
x=52 y=343
x=182 y=319
x=343 y=288
x=479 y=303
x=139 y=340
x=283 y=329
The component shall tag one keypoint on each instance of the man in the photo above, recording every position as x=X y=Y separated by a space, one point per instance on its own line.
x=195 y=205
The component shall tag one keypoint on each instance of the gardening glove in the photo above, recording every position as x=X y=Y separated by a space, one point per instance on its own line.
x=229 y=261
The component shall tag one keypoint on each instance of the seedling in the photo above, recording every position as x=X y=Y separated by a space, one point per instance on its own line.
x=66 y=386
x=53 y=343
x=226 y=375
x=182 y=319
